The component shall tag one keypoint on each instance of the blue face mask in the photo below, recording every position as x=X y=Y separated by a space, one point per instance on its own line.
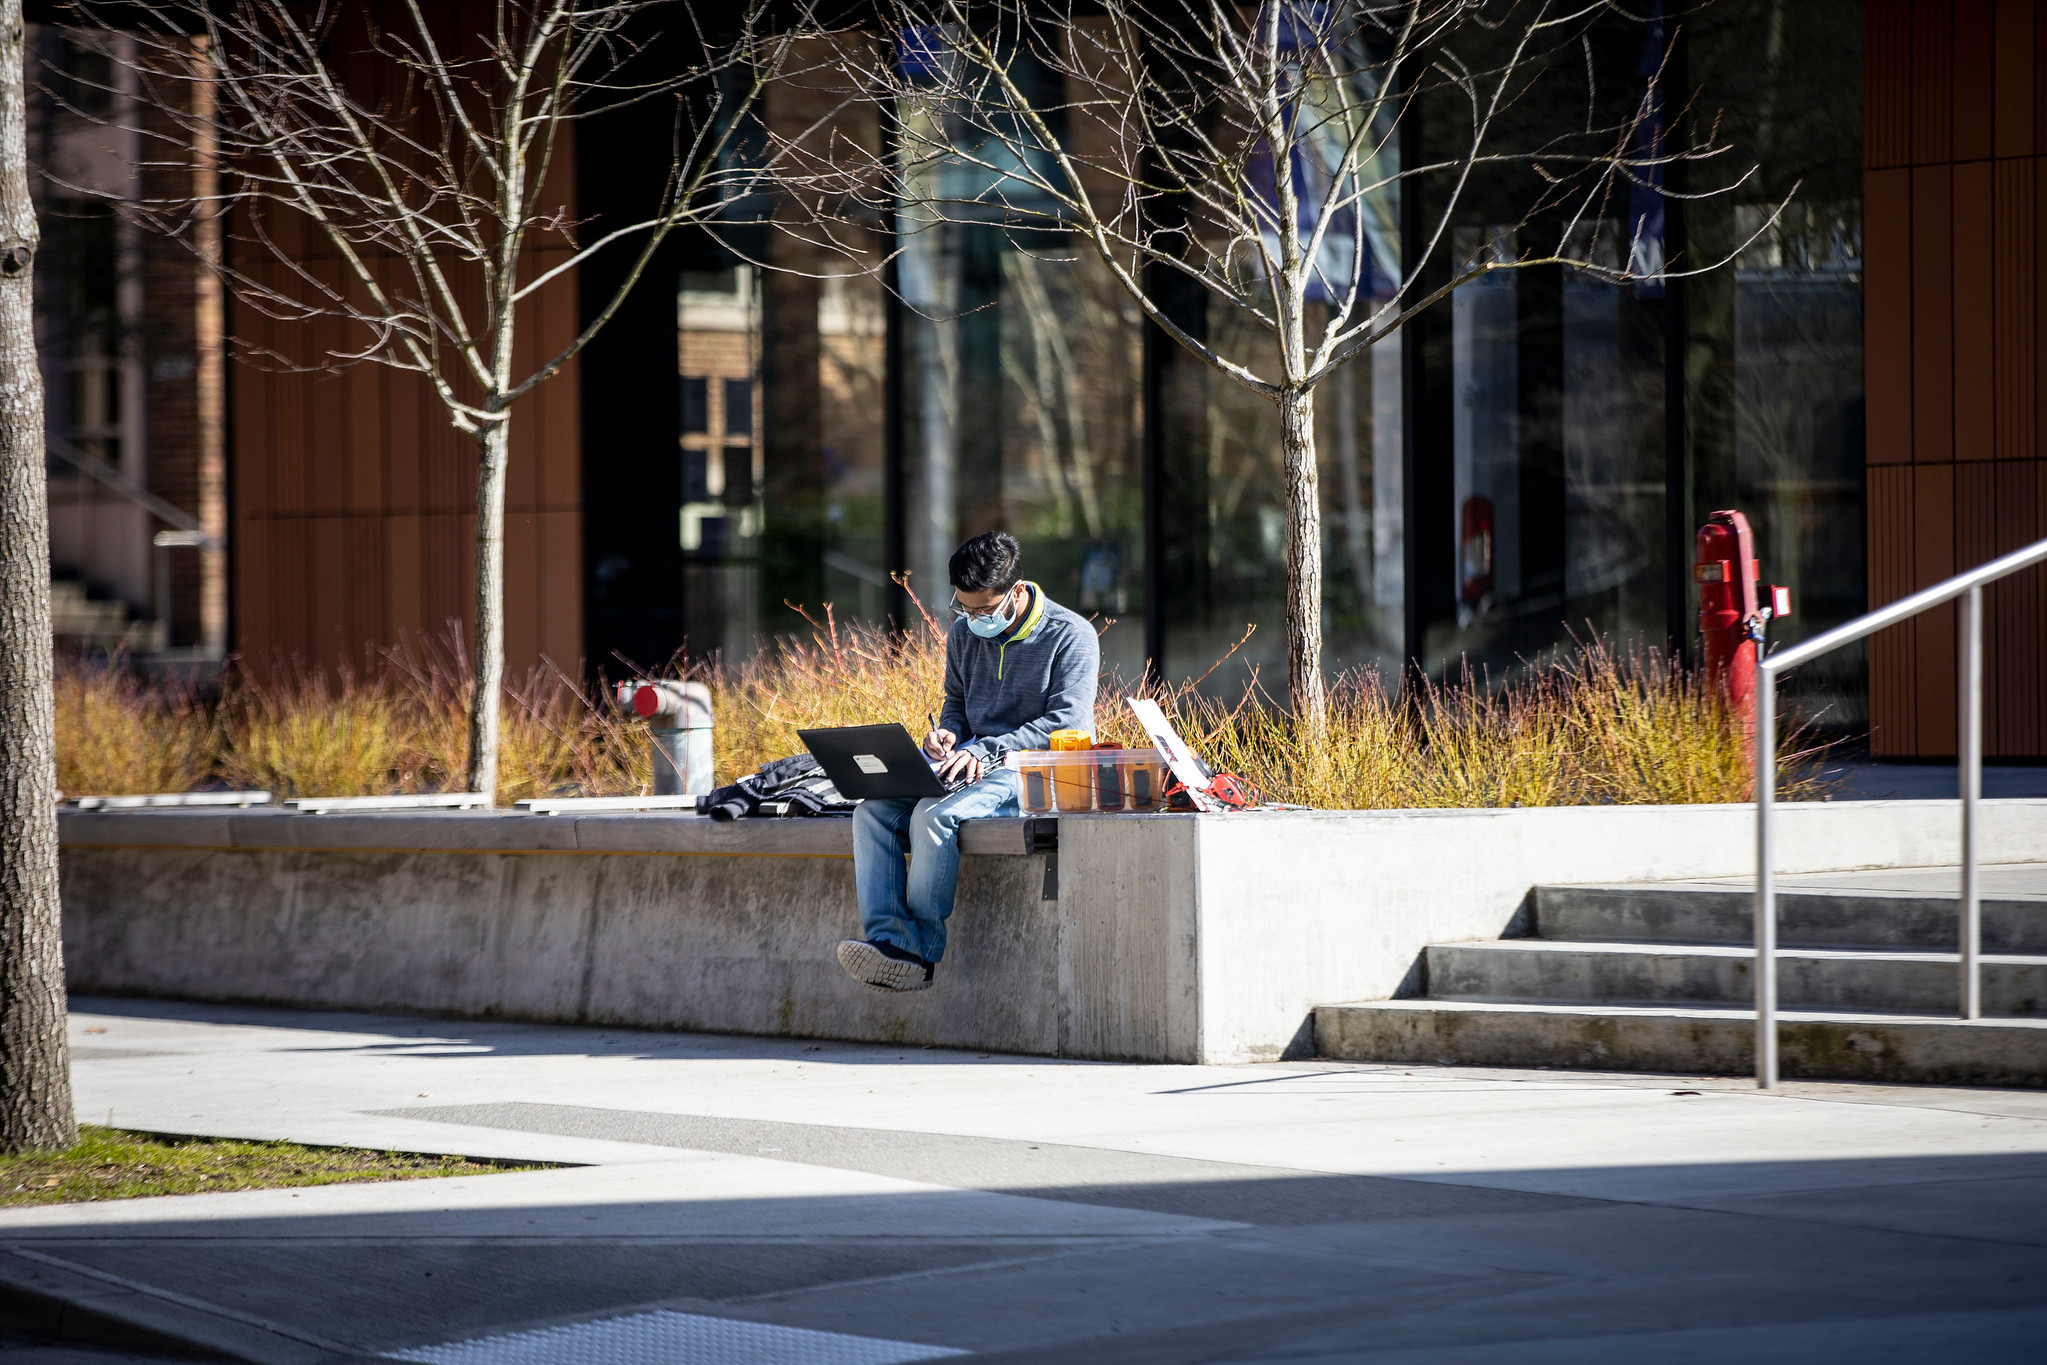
x=988 y=627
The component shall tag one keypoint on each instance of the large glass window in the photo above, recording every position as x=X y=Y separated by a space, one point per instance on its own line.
x=1021 y=413
x=1540 y=445
x=1021 y=394
x=1222 y=482
x=1773 y=345
x=1223 y=490
x=1547 y=425
x=1511 y=471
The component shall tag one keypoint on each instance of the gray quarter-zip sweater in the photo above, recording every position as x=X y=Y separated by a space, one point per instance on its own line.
x=1011 y=692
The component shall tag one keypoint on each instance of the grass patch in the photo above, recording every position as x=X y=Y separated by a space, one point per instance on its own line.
x=114 y=1163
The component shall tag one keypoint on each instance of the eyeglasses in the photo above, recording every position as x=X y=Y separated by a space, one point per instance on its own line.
x=982 y=613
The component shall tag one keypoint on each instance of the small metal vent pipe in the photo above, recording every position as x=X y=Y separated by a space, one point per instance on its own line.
x=681 y=726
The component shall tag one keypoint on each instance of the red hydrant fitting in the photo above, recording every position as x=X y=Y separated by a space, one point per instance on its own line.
x=681 y=732
x=1733 y=609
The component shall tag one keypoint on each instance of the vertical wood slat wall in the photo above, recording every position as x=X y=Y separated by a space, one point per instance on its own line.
x=354 y=499
x=1955 y=199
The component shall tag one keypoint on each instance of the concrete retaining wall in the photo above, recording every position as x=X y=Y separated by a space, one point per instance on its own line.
x=659 y=921
x=1173 y=937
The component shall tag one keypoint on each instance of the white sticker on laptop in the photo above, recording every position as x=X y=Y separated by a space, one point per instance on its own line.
x=870 y=764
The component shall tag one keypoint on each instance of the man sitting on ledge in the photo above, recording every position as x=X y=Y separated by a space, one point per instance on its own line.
x=1017 y=667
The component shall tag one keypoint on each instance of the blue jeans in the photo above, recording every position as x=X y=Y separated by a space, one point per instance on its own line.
x=910 y=909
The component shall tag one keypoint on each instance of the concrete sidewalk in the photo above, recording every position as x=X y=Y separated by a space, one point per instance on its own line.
x=742 y=1200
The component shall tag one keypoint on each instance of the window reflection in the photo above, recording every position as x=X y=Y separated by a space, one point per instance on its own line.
x=718 y=331
x=1021 y=413
x=1527 y=420
x=1774 y=344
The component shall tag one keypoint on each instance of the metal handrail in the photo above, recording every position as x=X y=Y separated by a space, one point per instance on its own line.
x=1968 y=586
x=99 y=469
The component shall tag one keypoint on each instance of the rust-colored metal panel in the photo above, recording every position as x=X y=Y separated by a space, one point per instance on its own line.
x=522 y=591
x=286 y=452
x=291 y=612
x=253 y=582
x=560 y=409
x=561 y=587
x=1975 y=354
x=2015 y=284
x=2039 y=310
x=2016 y=76
x=331 y=639
x=1886 y=83
x=369 y=627
x=2011 y=645
x=404 y=594
x=522 y=475
x=1933 y=82
x=1975 y=80
x=1887 y=314
x=1893 y=722
x=325 y=451
x=404 y=477
x=362 y=395
x=2039 y=86
x=1975 y=515
x=1976 y=537
x=2038 y=671
x=1933 y=374
x=254 y=418
x=448 y=460
x=354 y=493
x=449 y=552
x=1934 y=559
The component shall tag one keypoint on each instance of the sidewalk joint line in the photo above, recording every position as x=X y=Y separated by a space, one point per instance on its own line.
x=184 y=1301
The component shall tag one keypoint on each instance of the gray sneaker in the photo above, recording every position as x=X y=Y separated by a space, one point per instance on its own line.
x=884 y=967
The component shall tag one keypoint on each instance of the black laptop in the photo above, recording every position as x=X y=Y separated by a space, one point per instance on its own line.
x=869 y=762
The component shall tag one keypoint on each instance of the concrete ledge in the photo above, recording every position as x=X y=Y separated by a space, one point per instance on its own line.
x=1297 y=911
x=652 y=920
x=1171 y=938
x=1691 y=1041
x=461 y=831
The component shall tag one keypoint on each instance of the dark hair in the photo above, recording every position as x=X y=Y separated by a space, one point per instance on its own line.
x=987 y=563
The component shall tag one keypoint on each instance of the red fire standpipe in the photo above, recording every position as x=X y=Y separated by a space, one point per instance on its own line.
x=681 y=716
x=1733 y=609
x=1725 y=570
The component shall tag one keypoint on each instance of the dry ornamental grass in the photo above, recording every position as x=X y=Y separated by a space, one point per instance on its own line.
x=1588 y=727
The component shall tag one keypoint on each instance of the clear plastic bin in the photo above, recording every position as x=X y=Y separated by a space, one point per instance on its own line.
x=1077 y=780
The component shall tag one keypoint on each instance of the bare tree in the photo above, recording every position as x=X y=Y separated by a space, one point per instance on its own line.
x=1253 y=153
x=35 y=1064
x=419 y=145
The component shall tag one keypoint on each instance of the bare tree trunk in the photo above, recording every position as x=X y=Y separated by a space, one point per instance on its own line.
x=1303 y=556
x=489 y=664
x=35 y=1063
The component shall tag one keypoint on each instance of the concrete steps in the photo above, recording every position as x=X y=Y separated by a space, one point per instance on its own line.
x=1539 y=971
x=1691 y=913
x=1660 y=978
x=1695 y=1040
x=80 y=620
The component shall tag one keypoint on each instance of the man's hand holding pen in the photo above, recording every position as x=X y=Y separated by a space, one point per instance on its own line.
x=954 y=763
